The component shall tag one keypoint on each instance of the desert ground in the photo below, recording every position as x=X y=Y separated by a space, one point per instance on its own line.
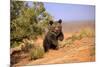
x=74 y=51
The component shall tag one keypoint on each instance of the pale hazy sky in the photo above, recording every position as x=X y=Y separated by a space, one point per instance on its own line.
x=70 y=12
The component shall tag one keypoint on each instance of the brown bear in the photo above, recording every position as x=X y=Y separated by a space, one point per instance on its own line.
x=53 y=35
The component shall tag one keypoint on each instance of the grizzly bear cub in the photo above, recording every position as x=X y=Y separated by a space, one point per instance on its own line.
x=53 y=35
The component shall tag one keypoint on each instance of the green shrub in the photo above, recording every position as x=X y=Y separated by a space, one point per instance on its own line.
x=15 y=44
x=26 y=21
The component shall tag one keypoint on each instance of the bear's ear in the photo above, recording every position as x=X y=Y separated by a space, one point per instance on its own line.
x=51 y=22
x=60 y=21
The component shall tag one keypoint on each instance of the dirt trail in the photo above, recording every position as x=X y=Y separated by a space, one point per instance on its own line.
x=79 y=51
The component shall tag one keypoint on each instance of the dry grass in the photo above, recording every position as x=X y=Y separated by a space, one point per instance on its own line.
x=87 y=32
x=36 y=53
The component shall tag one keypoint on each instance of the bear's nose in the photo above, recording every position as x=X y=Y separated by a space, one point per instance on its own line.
x=57 y=29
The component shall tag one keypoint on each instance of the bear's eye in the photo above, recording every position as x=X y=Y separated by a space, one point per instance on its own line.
x=59 y=26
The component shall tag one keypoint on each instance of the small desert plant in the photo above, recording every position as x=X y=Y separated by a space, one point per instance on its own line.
x=67 y=42
x=82 y=34
x=36 y=53
x=90 y=33
x=86 y=33
x=71 y=39
x=28 y=44
x=92 y=51
x=75 y=37
x=27 y=47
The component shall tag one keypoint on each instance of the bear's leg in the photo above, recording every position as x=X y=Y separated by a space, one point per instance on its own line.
x=60 y=36
x=46 y=47
x=54 y=47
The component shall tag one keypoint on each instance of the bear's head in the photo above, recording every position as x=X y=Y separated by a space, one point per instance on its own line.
x=55 y=26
